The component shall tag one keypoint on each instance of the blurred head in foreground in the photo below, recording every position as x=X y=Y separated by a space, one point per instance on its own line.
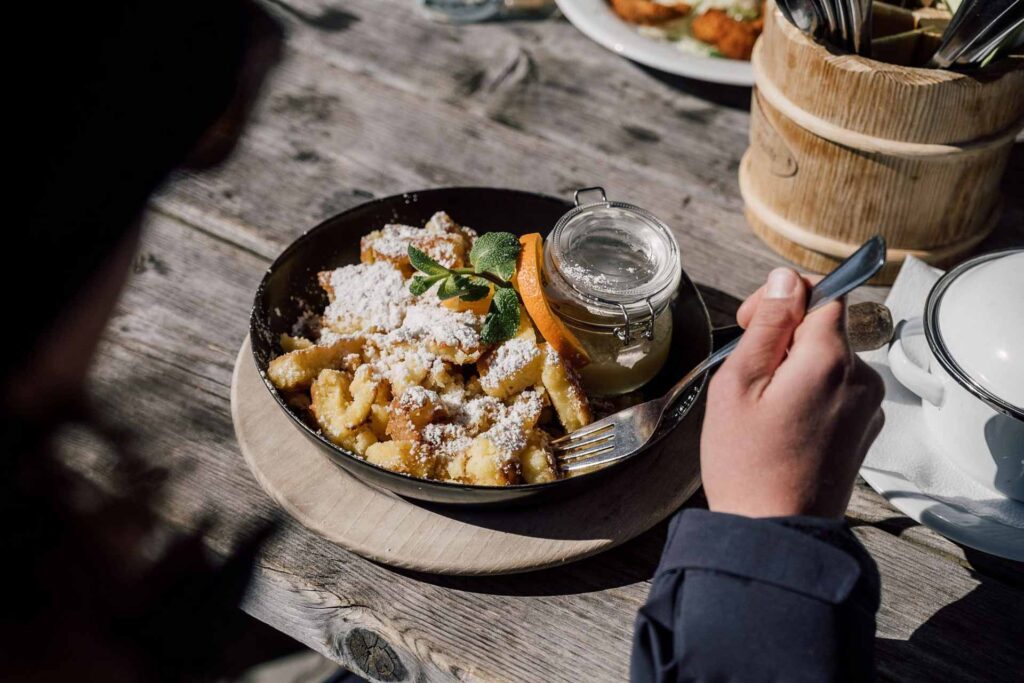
x=117 y=96
x=111 y=98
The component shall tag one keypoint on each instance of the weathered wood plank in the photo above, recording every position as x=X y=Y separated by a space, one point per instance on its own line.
x=288 y=183
x=165 y=369
x=571 y=89
x=363 y=125
x=381 y=107
x=540 y=77
x=867 y=508
x=916 y=641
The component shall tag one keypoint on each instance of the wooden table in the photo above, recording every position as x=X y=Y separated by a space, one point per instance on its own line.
x=370 y=100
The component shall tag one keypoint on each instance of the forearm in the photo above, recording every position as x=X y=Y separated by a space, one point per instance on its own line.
x=789 y=598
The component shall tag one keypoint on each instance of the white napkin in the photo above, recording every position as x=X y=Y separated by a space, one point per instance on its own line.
x=905 y=447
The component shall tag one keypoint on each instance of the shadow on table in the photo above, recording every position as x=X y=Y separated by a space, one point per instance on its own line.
x=977 y=637
x=632 y=562
x=732 y=96
x=629 y=563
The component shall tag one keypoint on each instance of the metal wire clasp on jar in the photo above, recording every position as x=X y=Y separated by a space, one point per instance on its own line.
x=611 y=270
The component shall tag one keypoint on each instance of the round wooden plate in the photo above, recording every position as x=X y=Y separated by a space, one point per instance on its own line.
x=386 y=528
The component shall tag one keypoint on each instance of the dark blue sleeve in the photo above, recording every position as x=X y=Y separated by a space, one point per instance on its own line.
x=735 y=598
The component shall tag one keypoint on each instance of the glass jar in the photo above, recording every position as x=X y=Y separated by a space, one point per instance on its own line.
x=611 y=270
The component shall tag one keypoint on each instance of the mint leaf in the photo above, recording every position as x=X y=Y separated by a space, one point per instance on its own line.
x=496 y=253
x=452 y=286
x=502 y=320
x=493 y=257
x=424 y=263
x=421 y=283
x=477 y=288
x=475 y=293
x=466 y=287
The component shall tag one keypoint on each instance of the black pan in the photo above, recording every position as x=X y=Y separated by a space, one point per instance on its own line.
x=290 y=285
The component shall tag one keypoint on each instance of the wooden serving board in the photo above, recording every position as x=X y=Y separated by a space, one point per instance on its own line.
x=440 y=539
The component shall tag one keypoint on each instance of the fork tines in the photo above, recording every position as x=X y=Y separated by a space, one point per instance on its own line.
x=584 y=443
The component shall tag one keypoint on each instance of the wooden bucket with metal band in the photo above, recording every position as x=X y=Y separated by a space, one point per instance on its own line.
x=843 y=148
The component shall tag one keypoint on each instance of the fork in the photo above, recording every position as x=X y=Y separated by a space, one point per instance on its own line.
x=622 y=434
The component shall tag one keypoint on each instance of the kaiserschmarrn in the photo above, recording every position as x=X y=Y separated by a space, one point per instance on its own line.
x=407 y=382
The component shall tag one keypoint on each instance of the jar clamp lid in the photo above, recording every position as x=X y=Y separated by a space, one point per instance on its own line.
x=611 y=265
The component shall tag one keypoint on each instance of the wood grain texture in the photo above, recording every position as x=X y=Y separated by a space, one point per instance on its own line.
x=383 y=527
x=371 y=100
x=843 y=148
x=889 y=101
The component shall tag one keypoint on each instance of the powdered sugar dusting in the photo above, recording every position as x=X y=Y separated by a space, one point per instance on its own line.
x=628 y=276
x=423 y=322
x=448 y=440
x=370 y=297
x=509 y=358
x=417 y=397
x=585 y=275
x=307 y=325
x=553 y=357
x=509 y=433
x=329 y=337
x=395 y=238
x=441 y=222
x=396 y=362
x=441 y=239
x=472 y=413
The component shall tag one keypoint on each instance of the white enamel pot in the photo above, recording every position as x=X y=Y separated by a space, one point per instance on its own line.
x=972 y=387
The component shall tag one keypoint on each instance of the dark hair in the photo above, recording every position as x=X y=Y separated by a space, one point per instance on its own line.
x=111 y=96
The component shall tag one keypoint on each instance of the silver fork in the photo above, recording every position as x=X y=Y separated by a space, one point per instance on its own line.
x=619 y=436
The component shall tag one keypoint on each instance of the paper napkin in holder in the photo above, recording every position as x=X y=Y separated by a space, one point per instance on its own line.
x=905 y=447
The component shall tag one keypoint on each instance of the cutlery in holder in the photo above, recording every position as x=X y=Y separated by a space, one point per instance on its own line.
x=843 y=147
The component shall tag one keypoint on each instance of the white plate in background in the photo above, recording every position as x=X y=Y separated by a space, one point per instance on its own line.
x=596 y=20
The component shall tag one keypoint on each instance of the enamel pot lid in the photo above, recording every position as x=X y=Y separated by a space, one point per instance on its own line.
x=974 y=322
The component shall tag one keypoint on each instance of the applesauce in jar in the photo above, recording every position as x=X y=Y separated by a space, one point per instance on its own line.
x=611 y=272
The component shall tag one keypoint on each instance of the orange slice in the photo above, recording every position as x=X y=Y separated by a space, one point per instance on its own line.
x=480 y=306
x=529 y=282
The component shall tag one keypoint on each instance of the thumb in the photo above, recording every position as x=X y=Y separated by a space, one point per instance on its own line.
x=763 y=346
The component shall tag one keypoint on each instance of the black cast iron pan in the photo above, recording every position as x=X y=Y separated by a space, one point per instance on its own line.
x=290 y=286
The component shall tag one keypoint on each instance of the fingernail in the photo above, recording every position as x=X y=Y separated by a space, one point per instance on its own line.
x=782 y=284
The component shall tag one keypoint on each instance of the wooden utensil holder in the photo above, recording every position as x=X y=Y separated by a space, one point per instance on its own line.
x=843 y=148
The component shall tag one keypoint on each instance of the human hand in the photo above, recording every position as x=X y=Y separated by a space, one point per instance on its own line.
x=784 y=434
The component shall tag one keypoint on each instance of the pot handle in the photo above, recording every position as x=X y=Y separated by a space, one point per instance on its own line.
x=911 y=375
